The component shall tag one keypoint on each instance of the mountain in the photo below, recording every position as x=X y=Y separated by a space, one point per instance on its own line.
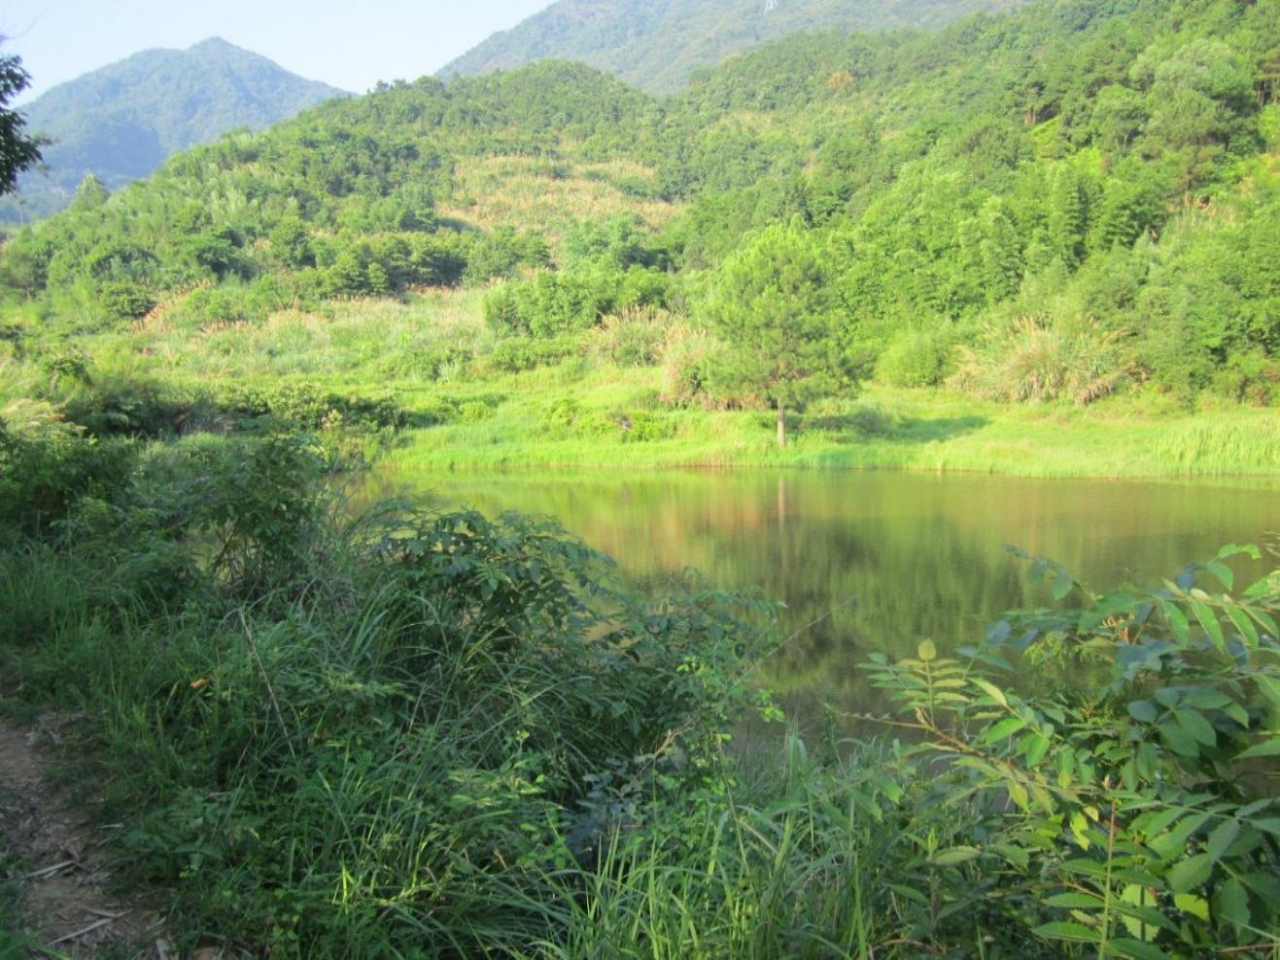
x=121 y=122
x=657 y=45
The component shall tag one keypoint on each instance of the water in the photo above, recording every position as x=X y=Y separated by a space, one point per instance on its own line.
x=880 y=560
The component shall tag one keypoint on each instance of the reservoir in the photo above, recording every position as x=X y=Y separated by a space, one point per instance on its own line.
x=879 y=561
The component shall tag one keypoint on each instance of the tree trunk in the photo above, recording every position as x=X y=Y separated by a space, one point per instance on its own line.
x=782 y=426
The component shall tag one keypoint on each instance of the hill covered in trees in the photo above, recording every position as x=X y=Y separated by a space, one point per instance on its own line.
x=657 y=46
x=1073 y=200
x=121 y=122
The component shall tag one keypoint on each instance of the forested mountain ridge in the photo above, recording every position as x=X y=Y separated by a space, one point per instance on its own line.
x=120 y=122
x=658 y=46
x=1066 y=201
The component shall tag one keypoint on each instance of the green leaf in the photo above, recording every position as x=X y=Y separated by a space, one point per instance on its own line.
x=1016 y=855
x=1206 y=698
x=1085 y=868
x=1066 y=930
x=1221 y=572
x=1168 y=845
x=1063 y=583
x=1265 y=885
x=1196 y=726
x=1242 y=623
x=1178 y=740
x=1204 y=613
x=1191 y=873
x=954 y=855
x=1194 y=905
x=1144 y=711
x=1231 y=903
x=1003 y=730
x=1265 y=620
x=927 y=651
x=1269 y=687
x=1083 y=901
x=1249 y=550
x=1177 y=621
x=909 y=893
x=1267 y=748
x=1221 y=839
x=1038 y=746
x=991 y=690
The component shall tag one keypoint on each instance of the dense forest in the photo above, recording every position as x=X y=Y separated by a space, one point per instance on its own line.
x=1064 y=202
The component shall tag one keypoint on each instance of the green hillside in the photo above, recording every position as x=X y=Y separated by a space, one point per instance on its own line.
x=121 y=122
x=1075 y=203
x=658 y=46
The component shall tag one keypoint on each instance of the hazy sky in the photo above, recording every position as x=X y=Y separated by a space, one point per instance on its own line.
x=346 y=43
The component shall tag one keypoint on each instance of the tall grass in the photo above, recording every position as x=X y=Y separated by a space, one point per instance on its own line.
x=357 y=738
x=785 y=866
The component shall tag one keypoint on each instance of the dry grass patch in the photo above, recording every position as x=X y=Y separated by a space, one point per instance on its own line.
x=514 y=191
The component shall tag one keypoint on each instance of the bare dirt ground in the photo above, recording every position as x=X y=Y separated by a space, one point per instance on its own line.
x=54 y=857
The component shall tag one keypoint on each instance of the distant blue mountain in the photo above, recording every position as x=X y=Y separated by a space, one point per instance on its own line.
x=121 y=122
x=658 y=44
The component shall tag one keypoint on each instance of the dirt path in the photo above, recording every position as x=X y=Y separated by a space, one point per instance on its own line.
x=55 y=858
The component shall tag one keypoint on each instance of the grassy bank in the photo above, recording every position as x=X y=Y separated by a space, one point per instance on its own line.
x=612 y=397
x=528 y=427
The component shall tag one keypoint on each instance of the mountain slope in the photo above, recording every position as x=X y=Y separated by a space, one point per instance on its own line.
x=658 y=44
x=121 y=122
x=1069 y=200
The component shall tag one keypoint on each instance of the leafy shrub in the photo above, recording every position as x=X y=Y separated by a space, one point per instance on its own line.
x=47 y=467
x=475 y=412
x=433 y=412
x=126 y=406
x=298 y=406
x=686 y=365
x=916 y=358
x=1136 y=813
x=124 y=300
x=643 y=426
x=262 y=503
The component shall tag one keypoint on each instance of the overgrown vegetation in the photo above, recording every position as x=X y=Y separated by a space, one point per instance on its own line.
x=413 y=733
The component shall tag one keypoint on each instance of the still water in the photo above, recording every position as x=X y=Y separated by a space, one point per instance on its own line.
x=880 y=560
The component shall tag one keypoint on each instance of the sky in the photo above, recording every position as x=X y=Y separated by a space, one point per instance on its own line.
x=351 y=44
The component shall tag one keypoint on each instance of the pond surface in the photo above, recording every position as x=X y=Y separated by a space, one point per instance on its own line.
x=879 y=560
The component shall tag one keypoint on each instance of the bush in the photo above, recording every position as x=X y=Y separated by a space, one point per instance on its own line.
x=301 y=407
x=47 y=466
x=1135 y=812
x=635 y=337
x=916 y=358
x=524 y=353
x=1033 y=361
x=643 y=426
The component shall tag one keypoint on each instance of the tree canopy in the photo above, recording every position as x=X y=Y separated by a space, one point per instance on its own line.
x=772 y=305
x=18 y=150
